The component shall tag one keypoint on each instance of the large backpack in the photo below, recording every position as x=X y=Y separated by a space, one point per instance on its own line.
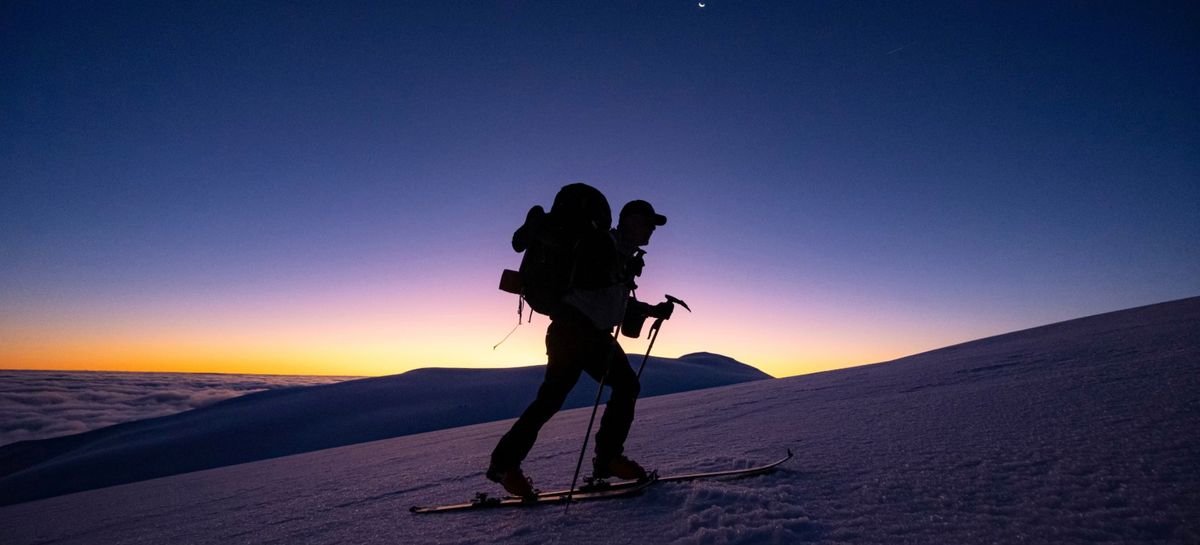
x=550 y=241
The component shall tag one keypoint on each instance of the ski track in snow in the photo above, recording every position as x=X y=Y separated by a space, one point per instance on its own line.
x=1080 y=432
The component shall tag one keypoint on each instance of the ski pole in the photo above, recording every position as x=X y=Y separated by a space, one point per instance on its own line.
x=653 y=337
x=599 y=391
x=654 y=332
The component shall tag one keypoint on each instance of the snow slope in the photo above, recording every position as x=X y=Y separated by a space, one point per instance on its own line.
x=293 y=420
x=1078 y=432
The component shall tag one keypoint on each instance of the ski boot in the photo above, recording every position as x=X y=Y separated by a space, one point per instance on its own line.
x=513 y=480
x=619 y=467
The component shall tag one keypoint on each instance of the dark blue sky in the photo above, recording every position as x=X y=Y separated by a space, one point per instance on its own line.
x=905 y=175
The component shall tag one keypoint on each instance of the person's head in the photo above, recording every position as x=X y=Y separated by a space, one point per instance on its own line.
x=638 y=221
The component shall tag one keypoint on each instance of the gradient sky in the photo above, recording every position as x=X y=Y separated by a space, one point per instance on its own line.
x=330 y=188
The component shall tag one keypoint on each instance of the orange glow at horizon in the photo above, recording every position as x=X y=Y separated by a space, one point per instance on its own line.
x=371 y=332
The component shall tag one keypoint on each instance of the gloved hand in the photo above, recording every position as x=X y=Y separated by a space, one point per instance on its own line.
x=662 y=310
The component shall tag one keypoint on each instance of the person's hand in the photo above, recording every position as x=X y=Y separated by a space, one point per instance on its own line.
x=662 y=310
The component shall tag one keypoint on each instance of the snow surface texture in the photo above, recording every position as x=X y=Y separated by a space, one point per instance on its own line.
x=1079 y=432
x=289 y=421
x=43 y=404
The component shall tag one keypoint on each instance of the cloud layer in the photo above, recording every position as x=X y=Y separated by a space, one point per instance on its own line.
x=44 y=404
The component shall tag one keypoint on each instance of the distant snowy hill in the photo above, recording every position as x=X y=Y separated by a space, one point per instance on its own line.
x=1078 y=432
x=293 y=420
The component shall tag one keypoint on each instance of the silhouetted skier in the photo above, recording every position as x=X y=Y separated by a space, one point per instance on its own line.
x=580 y=339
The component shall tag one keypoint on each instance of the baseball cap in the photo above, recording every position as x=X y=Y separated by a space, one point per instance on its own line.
x=642 y=207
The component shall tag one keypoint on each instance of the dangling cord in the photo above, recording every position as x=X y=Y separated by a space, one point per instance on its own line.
x=520 y=314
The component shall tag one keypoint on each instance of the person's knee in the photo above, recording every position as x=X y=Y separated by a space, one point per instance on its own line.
x=556 y=387
x=549 y=404
x=627 y=388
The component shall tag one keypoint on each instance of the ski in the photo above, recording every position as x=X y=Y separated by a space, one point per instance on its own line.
x=595 y=490
x=601 y=485
x=484 y=501
x=746 y=472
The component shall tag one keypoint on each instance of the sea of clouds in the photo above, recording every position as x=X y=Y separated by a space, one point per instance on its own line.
x=43 y=404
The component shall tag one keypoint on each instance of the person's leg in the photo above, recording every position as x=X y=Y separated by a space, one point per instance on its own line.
x=618 y=414
x=562 y=372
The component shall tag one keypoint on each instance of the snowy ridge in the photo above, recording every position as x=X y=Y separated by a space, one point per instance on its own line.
x=1078 y=432
x=293 y=420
